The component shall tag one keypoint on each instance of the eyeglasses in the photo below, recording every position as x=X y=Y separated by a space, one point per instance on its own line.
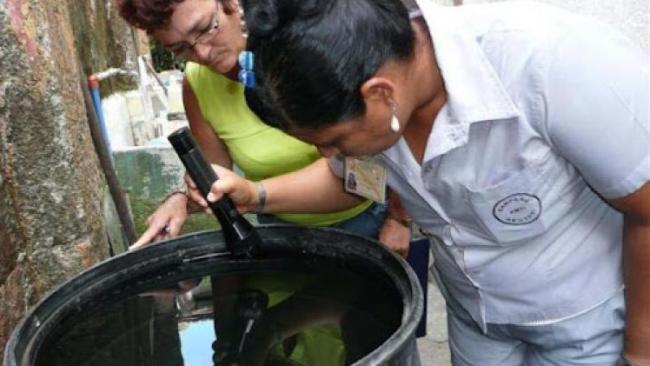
x=185 y=51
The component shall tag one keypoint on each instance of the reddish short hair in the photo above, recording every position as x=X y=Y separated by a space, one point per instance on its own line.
x=149 y=15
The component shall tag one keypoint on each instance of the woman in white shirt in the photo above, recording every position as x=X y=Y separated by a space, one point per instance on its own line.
x=516 y=133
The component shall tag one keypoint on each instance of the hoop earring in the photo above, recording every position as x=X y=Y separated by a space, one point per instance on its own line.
x=394 y=121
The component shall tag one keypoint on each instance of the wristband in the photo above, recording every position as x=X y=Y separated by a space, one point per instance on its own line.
x=261 y=197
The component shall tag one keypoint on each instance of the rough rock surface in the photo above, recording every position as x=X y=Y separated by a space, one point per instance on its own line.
x=51 y=184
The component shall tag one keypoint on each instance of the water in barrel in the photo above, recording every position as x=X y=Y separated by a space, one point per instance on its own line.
x=328 y=316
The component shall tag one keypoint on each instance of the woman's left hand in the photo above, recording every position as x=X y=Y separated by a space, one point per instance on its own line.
x=396 y=236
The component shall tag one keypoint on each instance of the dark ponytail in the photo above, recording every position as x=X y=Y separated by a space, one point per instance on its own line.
x=312 y=56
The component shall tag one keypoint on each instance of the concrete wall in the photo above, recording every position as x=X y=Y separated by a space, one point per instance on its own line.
x=51 y=187
x=632 y=17
x=149 y=172
x=127 y=122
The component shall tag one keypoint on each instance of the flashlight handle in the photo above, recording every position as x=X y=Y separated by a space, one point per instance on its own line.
x=240 y=236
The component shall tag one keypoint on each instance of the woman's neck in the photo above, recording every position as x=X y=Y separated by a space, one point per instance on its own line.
x=427 y=90
x=233 y=73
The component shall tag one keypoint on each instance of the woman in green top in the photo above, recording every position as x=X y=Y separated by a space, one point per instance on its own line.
x=208 y=34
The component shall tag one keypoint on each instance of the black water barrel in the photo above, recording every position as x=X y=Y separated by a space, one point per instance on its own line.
x=139 y=308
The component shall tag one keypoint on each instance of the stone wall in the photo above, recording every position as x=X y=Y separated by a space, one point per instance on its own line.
x=51 y=184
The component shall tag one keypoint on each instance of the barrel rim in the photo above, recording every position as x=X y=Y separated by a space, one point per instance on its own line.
x=277 y=238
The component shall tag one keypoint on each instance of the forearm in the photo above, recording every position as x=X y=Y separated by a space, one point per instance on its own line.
x=636 y=261
x=395 y=210
x=314 y=188
x=395 y=232
x=190 y=206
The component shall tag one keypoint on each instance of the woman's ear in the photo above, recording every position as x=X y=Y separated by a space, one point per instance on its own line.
x=378 y=89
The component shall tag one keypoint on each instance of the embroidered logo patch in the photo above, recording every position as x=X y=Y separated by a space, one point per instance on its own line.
x=518 y=209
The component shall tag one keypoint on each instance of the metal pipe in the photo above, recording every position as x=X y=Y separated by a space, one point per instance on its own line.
x=155 y=75
x=100 y=141
x=93 y=85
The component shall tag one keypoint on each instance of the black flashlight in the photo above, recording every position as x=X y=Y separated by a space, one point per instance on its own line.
x=240 y=236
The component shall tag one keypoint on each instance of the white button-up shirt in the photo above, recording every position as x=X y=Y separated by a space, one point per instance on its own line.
x=546 y=110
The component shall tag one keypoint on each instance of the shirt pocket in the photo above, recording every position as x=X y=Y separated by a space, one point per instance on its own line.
x=512 y=210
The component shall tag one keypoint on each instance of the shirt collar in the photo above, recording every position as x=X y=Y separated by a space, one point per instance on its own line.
x=474 y=91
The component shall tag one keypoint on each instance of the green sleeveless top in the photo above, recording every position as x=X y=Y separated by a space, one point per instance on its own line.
x=260 y=151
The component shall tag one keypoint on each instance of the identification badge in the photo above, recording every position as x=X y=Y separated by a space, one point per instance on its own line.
x=365 y=178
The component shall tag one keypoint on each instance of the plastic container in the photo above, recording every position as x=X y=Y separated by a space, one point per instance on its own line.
x=137 y=308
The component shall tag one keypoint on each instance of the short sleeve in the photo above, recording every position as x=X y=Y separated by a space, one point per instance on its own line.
x=597 y=99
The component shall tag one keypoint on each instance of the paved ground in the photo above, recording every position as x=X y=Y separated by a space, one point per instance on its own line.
x=434 y=350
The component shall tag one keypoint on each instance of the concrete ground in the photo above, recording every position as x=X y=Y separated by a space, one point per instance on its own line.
x=434 y=349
